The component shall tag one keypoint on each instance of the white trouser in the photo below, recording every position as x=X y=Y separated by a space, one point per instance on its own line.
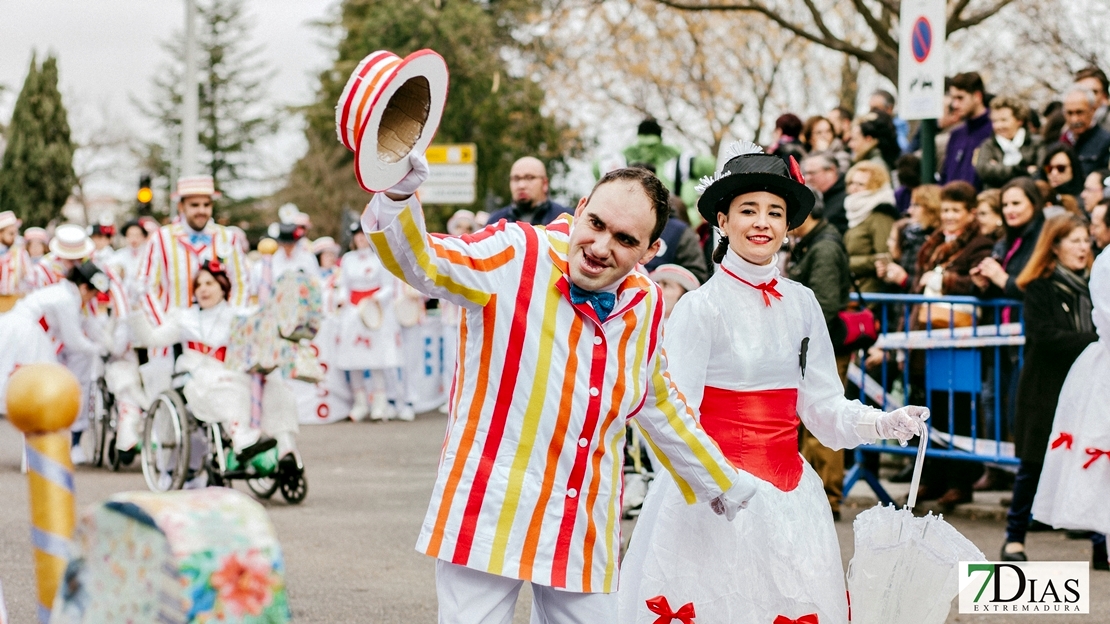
x=472 y=597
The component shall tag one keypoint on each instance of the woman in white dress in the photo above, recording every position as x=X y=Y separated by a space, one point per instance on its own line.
x=368 y=343
x=214 y=393
x=751 y=348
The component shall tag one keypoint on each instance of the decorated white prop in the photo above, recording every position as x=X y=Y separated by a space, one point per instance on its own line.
x=370 y=311
x=389 y=108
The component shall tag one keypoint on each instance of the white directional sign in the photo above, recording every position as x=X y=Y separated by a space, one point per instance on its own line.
x=452 y=174
x=921 y=59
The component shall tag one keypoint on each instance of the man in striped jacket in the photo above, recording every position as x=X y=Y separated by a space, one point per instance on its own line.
x=559 y=345
x=16 y=270
x=175 y=252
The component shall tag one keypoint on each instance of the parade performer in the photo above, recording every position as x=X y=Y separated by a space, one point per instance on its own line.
x=214 y=393
x=101 y=234
x=37 y=242
x=45 y=326
x=176 y=251
x=560 y=347
x=368 y=343
x=16 y=268
x=752 y=349
x=1076 y=467
x=125 y=261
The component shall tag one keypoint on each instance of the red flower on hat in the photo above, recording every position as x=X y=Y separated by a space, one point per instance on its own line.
x=796 y=172
x=214 y=266
x=298 y=232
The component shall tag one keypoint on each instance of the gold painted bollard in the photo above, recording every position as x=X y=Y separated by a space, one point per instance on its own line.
x=43 y=401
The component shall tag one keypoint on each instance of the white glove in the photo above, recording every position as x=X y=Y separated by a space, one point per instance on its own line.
x=736 y=497
x=413 y=179
x=902 y=424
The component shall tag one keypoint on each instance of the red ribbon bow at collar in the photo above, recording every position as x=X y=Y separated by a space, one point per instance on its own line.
x=767 y=288
x=659 y=606
x=805 y=619
x=1095 y=454
x=1064 y=438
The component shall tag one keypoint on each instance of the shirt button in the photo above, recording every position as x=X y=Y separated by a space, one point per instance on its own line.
x=571 y=493
x=594 y=392
x=583 y=442
x=598 y=340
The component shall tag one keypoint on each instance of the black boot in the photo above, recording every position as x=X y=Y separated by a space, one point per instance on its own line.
x=1098 y=557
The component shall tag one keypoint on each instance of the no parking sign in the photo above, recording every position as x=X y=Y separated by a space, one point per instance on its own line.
x=921 y=59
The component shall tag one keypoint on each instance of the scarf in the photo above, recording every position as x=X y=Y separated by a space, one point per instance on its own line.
x=1074 y=288
x=1011 y=148
x=859 y=206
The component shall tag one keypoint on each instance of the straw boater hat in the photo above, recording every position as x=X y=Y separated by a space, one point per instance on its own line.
x=36 y=234
x=747 y=170
x=8 y=219
x=324 y=243
x=70 y=242
x=390 y=108
x=195 y=185
x=677 y=274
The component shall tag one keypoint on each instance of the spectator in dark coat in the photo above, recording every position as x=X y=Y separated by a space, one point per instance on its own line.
x=907 y=237
x=1011 y=151
x=1022 y=210
x=529 y=185
x=966 y=92
x=1058 y=327
x=1065 y=185
x=1089 y=140
x=822 y=173
x=1100 y=226
x=820 y=262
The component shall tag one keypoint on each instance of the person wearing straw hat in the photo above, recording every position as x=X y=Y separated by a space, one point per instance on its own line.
x=559 y=348
x=675 y=281
x=752 y=350
x=16 y=269
x=36 y=240
x=176 y=251
x=45 y=326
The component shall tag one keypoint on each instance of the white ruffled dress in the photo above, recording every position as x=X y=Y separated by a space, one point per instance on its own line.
x=738 y=350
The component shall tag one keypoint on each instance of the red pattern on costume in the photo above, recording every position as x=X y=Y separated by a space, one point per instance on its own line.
x=1064 y=438
x=757 y=431
x=659 y=606
x=805 y=619
x=1095 y=454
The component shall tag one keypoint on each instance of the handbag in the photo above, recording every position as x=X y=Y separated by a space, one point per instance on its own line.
x=943 y=315
x=853 y=330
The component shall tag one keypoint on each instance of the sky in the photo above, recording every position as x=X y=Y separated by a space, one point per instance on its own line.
x=109 y=50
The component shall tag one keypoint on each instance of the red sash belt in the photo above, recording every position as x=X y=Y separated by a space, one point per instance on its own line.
x=757 y=431
x=359 y=295
x=204 y=349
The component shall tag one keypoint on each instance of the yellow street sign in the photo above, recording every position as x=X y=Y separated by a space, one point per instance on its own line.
x=451 y=154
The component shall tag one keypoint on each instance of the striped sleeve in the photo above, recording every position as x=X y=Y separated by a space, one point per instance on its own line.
x=667 y=422
x=150 y=278
x=237 y=271
x=464 y=270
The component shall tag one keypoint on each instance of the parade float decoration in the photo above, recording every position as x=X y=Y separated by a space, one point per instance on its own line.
x=390 y=107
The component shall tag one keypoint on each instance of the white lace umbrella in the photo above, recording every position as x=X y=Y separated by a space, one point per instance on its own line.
x=905 y=569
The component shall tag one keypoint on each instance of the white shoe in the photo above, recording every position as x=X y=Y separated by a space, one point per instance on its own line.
x=380 y=408
x=360 y=410
x=406 y=413
x=198 y=482
x=444 y=409
x=165 y=481
x=77 y=456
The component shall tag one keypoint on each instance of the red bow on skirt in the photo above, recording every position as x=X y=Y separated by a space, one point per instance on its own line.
x=659 y=606
x=805 y=619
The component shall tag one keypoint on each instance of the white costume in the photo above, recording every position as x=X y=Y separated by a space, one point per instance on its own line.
x=125 y=262
x=267 y=270
x=1076 y=471
x=358 y=347
x=755 y=358
x=214 y=393
x=45 y=326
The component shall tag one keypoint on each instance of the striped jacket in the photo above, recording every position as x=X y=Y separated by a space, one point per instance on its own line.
x=171 y=261
x=530 y=478
x=17 y=272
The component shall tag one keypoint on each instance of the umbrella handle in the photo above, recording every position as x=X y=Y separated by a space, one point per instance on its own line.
x=922 y=443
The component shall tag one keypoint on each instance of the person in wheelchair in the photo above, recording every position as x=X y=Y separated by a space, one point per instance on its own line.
x=214 y=393
x=45 y=326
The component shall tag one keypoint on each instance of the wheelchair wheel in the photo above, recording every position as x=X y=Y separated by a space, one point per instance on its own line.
x=166 y=443
x=263 y=487
x=100 y=414
x=294 y=487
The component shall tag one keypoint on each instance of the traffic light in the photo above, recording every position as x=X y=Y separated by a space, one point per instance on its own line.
x=145 y=196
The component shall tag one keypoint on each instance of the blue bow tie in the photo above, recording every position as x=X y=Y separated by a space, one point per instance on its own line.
x=199 y=238
x=602 y=302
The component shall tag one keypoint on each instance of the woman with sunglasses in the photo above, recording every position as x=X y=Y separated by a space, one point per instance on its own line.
x=1061 y=171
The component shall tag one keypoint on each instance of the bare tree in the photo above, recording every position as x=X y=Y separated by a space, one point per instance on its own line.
x=863 y=29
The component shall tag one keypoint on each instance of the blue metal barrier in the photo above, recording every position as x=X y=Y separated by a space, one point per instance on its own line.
x=953 y=357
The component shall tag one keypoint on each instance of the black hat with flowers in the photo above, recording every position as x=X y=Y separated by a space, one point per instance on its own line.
x=749 y=170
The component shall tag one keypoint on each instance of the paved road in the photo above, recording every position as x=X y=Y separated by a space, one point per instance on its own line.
x=349 y=547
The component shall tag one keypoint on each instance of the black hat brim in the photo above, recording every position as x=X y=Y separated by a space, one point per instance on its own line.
x=799 y=198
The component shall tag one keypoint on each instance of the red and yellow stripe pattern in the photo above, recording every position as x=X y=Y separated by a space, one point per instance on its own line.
x=529 y=482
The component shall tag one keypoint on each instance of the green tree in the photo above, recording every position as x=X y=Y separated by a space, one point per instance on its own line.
x=489 y=103
x=37 y=173
x=232 y=80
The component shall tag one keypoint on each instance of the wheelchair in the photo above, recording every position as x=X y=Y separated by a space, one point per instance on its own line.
x=99 y=440
x=169 y=434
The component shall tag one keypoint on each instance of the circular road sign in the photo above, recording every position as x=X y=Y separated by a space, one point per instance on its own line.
x=922 y=41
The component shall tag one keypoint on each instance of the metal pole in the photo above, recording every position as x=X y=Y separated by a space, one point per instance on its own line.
x=928 y=151
x=191 y=105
